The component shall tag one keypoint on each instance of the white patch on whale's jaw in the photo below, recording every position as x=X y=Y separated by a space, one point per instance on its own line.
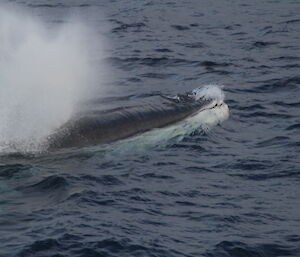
x=211 y=115
x=215 y=103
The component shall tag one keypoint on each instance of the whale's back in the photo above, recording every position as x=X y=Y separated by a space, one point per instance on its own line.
x=98 y=126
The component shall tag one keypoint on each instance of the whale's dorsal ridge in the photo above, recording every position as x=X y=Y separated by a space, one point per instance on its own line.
x=180 y=98
x=174 y=99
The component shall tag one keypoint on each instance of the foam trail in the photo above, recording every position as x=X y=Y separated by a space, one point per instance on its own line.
x=44 y=74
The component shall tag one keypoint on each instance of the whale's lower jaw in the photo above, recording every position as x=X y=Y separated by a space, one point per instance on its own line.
x=213 y=116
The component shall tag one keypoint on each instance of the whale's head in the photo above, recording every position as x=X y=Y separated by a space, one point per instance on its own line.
x=212 y=95
x=214 y=110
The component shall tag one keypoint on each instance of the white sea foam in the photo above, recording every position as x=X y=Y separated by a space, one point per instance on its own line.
x=210 y=91
x=44 y=74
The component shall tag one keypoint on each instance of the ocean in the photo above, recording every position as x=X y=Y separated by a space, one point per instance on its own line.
x=230 y=191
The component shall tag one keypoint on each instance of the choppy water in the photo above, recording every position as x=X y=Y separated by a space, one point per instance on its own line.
x=231 y=192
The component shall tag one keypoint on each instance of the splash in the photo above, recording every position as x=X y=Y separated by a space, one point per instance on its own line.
x=211 y=91
x=44 y=75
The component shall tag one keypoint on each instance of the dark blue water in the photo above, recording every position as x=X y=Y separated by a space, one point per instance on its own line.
x=231 y=192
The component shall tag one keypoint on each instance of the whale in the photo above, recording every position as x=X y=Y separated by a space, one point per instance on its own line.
x=155 y=111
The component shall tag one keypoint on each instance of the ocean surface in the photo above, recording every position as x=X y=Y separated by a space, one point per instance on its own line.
x=230 y=192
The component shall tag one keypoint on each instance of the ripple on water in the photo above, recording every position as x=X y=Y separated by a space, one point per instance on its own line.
x=231 y=192
x=240 y=249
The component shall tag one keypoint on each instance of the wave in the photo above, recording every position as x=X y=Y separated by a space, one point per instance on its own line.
x=238 y=249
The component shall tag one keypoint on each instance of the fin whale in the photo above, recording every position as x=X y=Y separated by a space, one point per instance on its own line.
x=100 y=127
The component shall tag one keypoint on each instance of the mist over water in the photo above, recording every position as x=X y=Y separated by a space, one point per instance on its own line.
x=45 y=73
